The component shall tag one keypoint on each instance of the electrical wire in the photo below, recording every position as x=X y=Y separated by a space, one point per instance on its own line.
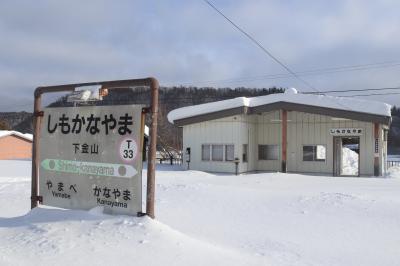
x=257 y=43
x=372 y=94
x=268 y=53
x=355 y=90
x=328 y=70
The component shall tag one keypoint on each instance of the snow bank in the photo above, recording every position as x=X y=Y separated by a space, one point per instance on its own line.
x=11 y=169
x=71 y=237
x=349 y=162
x=393 y=172
x=207 y=219
x=290 y=96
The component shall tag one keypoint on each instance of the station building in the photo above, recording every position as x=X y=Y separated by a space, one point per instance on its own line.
x=15 y=145
x=286 y=132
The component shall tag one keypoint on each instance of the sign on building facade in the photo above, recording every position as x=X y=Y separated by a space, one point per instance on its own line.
x=346 y=131
x=91 y=156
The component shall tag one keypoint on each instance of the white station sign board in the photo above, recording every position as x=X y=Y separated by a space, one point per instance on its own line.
x=91 y=156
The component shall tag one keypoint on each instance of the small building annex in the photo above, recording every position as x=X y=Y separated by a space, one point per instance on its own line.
x=287 y=132
x=15 y=145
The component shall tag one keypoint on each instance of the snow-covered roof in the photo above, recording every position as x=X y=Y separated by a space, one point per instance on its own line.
x=4 y=133
x=290 y=96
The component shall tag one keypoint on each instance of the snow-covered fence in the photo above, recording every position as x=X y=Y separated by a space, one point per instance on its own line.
x=393 y=160
x=392 y=163
x=171 y=161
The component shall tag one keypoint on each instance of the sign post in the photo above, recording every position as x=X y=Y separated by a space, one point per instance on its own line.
x=90 y=156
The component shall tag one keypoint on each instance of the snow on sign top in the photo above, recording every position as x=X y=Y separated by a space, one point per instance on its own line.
x=290 y=96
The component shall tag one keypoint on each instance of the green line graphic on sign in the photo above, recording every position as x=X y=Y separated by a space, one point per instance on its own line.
x=89 y=168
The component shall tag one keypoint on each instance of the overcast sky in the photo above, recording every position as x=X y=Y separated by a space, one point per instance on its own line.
x=187 y=42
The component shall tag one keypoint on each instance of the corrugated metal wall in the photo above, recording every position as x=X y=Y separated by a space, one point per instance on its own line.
x=265 y=128
x=306 y=129
x=269 y=132
x=230 y=130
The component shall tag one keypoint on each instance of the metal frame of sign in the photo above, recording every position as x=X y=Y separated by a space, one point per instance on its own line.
x=116 y=85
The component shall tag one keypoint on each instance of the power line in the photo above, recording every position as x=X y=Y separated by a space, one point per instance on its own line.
x=268 y=53
x=260 y=46
x=372 y=94
x=355 y=90
x=328 y=70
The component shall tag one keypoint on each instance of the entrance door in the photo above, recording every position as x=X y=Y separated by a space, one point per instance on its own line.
x=346 y=156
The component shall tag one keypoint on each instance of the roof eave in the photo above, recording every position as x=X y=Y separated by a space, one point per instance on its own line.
x=211 y=116
x=348 y=114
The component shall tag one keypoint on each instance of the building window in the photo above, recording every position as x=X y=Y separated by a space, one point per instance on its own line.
x=244 y=155
x=229 y=152
x=314 y=153
x=268 y=152
x=217 y=153
x=205 y=152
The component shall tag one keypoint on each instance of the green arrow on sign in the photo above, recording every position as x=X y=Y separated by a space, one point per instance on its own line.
x=89 y=168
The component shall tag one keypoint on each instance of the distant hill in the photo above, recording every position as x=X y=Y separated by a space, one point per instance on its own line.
x=170 y=136
x=19 y=121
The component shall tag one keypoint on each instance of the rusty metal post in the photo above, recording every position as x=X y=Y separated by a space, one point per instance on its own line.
x=284 y=141
x=151 y=163
x=142 y=129
x=35 y=151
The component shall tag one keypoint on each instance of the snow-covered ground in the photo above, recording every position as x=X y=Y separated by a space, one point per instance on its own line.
x=207 y=219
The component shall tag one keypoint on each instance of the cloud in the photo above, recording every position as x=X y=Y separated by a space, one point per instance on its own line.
x=53 y=42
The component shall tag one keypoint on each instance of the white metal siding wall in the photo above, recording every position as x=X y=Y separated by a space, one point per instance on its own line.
x=229 y=130
x=265 y=128
x=384 y=157
x=269 y=130
x=252 y=142
x=382 y=151
x=308 y=129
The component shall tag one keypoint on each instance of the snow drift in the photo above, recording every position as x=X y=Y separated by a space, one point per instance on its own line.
x=208 y=219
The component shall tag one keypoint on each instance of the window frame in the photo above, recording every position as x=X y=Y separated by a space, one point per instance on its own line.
x=226 y=152
x=212 y=152
x=275 y=158
x=315 y=153
x=245 y=153
x=209 y=152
